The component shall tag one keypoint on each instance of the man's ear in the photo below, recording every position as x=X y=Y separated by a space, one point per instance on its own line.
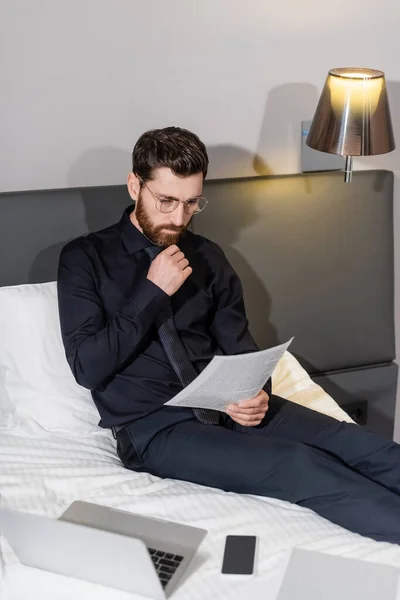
x=133 y=184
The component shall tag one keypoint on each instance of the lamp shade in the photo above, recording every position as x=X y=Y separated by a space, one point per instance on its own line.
x=353 y=115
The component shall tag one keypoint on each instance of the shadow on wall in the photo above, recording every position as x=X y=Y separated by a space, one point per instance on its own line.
x=280 y=134
x=279 y=141
x=99 y=166
x=233 y=161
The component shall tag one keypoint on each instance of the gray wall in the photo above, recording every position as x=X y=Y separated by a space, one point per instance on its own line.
x=81 y=79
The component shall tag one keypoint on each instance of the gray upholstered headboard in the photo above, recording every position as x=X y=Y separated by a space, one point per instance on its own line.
x=315 y=257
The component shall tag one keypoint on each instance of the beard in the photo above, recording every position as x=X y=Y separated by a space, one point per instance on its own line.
x=157 y=233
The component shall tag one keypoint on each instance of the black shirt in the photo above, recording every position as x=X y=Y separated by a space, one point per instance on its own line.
x=108 y=309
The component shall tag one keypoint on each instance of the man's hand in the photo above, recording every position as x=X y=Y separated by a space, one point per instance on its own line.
x=169 y=270
x=249 y=412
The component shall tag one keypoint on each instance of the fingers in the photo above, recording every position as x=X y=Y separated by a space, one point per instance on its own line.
x=179 y=257
x=169 y=270
x=260 y=412
x=250 y=418
x=176 y=254
x=171 y=250
x=235 y=410
x=260 y=400
x=249 y=422
x=249 y=412
x=250 y=404
x=186 y=272
x=240 y=409
x=184 y=263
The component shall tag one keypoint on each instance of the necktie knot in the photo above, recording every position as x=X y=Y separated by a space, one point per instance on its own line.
x=153 y=251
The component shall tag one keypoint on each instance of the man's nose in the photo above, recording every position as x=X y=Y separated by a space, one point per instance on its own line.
x=178 y=216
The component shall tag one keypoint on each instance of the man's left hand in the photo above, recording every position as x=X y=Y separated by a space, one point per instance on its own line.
x=249 y=412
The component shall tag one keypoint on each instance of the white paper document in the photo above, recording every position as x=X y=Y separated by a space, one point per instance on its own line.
x=230 y=379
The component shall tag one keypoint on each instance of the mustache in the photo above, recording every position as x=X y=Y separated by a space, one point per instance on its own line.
x=177 y=228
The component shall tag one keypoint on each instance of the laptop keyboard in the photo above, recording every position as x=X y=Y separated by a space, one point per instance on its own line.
x=165 y=563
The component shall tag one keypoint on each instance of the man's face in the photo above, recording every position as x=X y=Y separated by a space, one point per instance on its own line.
x=163 y=229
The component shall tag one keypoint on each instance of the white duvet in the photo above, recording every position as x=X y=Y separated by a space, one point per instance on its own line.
x=44 y=473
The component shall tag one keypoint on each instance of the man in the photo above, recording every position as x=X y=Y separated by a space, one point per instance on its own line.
x=144 y=306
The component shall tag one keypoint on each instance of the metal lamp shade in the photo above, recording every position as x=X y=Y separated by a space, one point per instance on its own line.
x=353 y=115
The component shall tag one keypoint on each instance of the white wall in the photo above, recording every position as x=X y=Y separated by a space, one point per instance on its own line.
x=80 y=80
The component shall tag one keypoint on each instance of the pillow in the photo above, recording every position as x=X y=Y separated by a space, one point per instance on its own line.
x=291 y=381
x=37 y=389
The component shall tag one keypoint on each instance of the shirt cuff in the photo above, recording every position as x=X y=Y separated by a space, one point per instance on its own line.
x=149 y=297
x=268 y=387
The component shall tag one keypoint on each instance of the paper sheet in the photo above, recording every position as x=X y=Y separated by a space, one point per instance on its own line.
x=230 y=379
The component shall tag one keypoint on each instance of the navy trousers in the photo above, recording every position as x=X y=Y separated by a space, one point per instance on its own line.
x=343 y=472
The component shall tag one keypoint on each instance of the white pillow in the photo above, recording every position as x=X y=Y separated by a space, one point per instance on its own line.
x=37 y=389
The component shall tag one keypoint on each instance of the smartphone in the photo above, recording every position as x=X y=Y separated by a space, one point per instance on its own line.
x=239 y=555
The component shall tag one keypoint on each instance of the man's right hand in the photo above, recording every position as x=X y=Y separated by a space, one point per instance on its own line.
x=169 y=270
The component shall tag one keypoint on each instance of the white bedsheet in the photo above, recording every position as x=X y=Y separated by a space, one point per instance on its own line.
x=43 y=475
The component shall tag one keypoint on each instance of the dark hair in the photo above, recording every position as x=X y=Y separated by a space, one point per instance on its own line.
x=178 y=149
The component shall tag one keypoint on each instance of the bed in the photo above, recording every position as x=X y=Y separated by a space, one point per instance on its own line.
x=51 y=450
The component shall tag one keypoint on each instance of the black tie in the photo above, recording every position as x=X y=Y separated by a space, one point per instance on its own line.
x=176 y=352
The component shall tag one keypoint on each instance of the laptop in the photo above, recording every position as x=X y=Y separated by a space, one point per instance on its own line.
x=115 y=548
x=171 y=545
x=317 y=576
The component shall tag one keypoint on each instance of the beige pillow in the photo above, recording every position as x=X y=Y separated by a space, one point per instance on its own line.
x=291 y=381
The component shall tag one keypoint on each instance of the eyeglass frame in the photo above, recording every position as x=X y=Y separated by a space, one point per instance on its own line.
x=177 y=202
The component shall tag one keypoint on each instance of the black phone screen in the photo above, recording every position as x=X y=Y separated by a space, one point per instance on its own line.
x=239 y=555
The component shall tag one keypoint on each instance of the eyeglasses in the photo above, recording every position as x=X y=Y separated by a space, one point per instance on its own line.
x=167 y=205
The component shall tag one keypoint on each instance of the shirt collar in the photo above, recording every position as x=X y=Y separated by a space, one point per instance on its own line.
x=133 y=239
